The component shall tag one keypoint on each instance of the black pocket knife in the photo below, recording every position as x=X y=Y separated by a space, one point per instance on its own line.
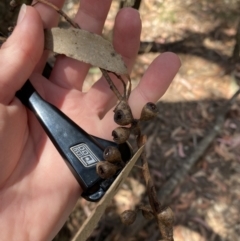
x=80 y=151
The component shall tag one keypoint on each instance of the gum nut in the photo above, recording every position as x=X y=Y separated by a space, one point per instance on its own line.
x=166 y=216
x=149 y=111
x=121 y=134
x=123 y=114
x=128 y=217
x=147 y=214
x=105 y=169
x=112 y=154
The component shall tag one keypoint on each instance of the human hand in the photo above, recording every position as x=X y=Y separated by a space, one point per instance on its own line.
x=37 y=190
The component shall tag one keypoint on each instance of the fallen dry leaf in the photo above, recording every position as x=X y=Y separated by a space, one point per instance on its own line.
x=224 y=152
x=181 y=150
x=179 y=131
x=182 y=233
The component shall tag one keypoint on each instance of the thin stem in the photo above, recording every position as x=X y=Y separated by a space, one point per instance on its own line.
x=127 y=91
x=124 y=85
x=151 y=191
x=75 y=25
x=111 y=84
x=163 y=217
x=129 y=87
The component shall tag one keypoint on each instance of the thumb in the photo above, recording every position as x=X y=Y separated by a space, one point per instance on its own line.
x=20 y=53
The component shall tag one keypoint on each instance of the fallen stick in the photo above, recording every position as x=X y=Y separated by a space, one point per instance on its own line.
x=179 y=175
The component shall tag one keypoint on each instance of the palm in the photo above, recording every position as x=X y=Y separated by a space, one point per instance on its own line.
x=37 y=190
x=39 y=175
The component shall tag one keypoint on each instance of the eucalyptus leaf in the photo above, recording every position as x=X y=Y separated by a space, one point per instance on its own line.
x=85 y=46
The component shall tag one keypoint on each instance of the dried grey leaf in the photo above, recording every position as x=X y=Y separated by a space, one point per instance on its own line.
x=85 y=46
x=91 y=222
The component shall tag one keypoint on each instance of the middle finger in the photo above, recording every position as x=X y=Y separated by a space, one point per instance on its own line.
x=91 y=17
x=50 y=19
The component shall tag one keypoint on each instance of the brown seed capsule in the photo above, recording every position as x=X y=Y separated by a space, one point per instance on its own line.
x=120 y=134
x=112 y=154
x=166 y=217
x=147 y=212
x=123 y=114
x=106 y=169
x=128 y=217
x=147 y=215
x=149 y=111
x=165 y=220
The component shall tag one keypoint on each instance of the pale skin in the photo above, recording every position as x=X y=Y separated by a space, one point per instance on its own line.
x=37 y=190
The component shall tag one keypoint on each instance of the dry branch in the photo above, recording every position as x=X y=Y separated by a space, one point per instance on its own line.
x=179 y=175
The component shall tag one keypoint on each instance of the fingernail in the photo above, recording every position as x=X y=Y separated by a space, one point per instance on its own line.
x=21 y=13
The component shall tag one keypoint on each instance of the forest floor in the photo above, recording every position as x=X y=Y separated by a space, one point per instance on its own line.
x=206 y=204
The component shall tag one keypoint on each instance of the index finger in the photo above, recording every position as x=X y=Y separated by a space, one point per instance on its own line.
x=20 y=53
x=49 y=16
x=50 y=19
